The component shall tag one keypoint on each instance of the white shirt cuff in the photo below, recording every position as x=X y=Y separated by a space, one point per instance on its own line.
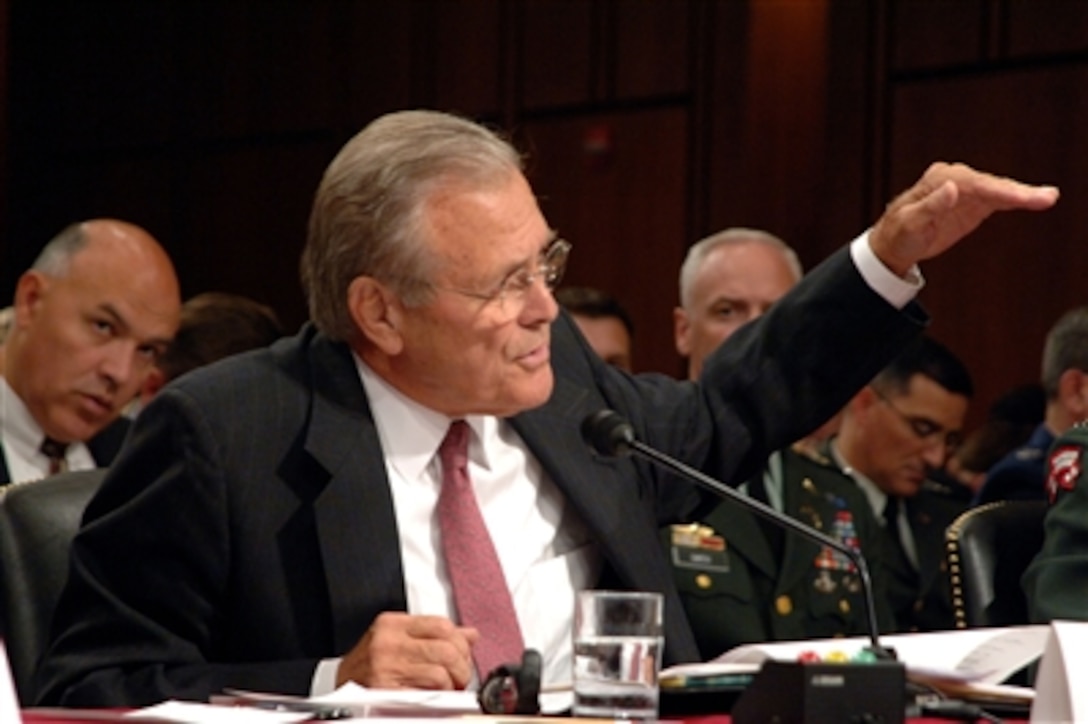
x=898 y=291
x=324 y=681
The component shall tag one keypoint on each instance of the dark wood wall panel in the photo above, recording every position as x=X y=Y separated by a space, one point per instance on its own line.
x=252 y=69
x=4 y=142
x=1036 y=27
x=380 y=59
x=139 y=189
x=652 y=48
x=938 y=33
x=81 y=81
x=469 y=59
x=787 y=135
x=559 y=61
x=615 y=185
x=247 y=228
x=650 y=124
x=994 y=297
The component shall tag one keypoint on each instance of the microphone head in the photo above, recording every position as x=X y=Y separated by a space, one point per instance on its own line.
x=608 y=433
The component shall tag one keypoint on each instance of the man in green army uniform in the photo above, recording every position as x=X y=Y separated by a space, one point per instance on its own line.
x=894 y=434
x=1057 y=579
x=743 y=579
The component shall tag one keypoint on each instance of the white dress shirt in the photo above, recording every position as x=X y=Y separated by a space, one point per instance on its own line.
x=878 y=500
x=543 y=546
x=22 y=437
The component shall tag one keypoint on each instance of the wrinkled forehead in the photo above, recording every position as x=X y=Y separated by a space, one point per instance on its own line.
x=142 y=294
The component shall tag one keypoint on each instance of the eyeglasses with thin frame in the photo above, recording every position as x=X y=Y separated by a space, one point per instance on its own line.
x=510 y=292
x=922 y=427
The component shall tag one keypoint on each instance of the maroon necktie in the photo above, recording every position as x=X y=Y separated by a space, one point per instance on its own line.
x=55 y=451
x=480 y=592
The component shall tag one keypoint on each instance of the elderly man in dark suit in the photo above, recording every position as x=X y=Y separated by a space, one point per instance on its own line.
x=295 y=518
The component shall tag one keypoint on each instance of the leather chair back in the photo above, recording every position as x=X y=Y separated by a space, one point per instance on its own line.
x=37 y=522
x=987 y=550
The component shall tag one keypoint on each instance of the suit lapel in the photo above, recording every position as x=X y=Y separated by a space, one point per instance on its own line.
x=621 y=520
x=798 y=552
x=105 y=445
x=355 y=520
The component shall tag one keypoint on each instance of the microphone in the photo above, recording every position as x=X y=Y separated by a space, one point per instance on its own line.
x=609 y=434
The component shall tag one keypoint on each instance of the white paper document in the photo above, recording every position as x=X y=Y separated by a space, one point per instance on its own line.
x=9 y=701
x=1065 y=655
x=983 y=655
x=379 y=702
x=187 y=712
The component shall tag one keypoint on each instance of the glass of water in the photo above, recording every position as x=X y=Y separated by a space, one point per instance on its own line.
x=617 y=654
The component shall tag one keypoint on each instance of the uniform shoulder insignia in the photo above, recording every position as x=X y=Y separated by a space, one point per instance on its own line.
x=1063 y=469
x=808 y=452
x=1028 y=453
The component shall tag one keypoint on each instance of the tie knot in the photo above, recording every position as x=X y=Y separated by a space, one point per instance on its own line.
x=53 y=449
x=453 y=452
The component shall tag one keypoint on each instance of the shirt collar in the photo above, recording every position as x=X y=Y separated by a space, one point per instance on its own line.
x=19 y=427
x=410 y=433
x=877 y=498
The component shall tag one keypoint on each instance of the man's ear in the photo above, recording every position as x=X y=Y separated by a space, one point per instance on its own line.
x=377 y=313
x=1073 y=393
x=29 y=292
x=863 y=401
x=681 y=328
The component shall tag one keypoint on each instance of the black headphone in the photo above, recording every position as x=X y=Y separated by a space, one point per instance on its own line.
x=513 y=688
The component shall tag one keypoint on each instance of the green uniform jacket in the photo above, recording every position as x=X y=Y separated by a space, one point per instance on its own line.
x=922 y=599
x=1056 y=581
x=736 y=590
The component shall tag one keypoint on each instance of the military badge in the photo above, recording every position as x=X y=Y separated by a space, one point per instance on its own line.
x=824 y=583
x=1063 y=469
x=843 y=529
x=697 y=546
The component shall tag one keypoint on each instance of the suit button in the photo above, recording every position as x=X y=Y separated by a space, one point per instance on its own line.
x=844 y=606
x=783 y=605
x=703 y=581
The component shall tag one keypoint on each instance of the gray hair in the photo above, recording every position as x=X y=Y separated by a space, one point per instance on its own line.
x=56 y=257
x=367 y=212
x=736 y=236
x=1066 y=348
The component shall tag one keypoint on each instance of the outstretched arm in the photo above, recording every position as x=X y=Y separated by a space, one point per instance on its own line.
x=945 y=205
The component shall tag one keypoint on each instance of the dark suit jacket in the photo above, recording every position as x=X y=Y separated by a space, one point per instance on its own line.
x=247 y=530
x=103 y=446
x=749 y=591
x=1021 y=474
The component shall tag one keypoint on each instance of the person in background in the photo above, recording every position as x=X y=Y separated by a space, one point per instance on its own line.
x=741 y=578
x=726 y=280
x=213 y=325
x=7 y=316
x=1055 y=580
x=400 y=495
x=1020 y=475
x=1009 y=423
x=603 y=321
x=92 y=316
x=895 y=433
